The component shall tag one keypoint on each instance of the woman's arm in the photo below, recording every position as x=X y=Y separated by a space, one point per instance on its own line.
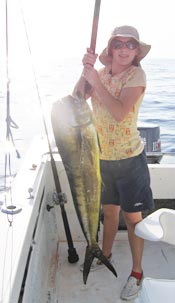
x=118 y=107
x=82 y=85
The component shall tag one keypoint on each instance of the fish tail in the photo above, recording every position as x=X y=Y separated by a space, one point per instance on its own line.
x=95 y=252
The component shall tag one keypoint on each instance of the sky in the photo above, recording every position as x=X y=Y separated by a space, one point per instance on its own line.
x=63 y=27
x=68 y=23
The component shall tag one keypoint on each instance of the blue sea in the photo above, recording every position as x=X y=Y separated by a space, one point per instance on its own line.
x=56 y=79
x=158 y=106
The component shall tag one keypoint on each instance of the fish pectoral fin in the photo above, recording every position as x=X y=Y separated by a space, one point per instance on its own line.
x=95 y=252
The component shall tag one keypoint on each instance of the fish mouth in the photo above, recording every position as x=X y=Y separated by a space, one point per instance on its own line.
x=83 y=116
x=82 y=124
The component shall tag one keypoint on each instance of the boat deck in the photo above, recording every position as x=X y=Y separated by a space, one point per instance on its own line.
x=102 y=286
x=38 y=270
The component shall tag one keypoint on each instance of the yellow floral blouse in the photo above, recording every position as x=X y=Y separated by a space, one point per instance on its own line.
x=119 y=140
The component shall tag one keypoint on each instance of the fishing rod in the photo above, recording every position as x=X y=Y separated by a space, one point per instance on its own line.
x=85 y=84
x=95 y=25
x=9 y=209
x=59 y=198
x=10 y=122
x=93 y=41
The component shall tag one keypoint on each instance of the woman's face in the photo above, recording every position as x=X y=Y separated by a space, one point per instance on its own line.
x=124 y=50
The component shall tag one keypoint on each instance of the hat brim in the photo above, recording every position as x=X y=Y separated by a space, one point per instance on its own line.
x=105 y=58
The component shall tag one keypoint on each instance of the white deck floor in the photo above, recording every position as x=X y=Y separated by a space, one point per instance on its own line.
x=102 y=286
x=51 y=278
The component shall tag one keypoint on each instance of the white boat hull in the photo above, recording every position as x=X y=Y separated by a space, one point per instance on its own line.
x=33 y=263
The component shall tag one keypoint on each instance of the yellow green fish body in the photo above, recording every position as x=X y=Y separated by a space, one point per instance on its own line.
x=77 y=142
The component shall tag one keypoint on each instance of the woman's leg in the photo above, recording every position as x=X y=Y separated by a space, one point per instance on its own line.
x=136 y=243
x=110 y=228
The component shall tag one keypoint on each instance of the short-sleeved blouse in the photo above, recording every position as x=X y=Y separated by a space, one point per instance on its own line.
x=119 y=140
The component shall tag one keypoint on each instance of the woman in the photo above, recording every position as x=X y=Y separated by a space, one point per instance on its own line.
x=117 y=91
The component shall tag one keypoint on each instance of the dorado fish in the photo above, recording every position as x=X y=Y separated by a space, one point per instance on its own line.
x=77 y=143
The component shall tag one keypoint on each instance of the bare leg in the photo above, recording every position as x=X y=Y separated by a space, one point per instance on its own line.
x=136 y=243
x=111 y=222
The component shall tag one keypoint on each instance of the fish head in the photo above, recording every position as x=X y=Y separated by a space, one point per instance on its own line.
x=82 y=112
x=72 y=112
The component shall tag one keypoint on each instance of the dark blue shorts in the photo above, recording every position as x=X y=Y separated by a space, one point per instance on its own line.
x=126 y=183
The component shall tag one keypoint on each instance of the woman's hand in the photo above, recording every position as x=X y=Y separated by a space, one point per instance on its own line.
x=91 y=75
x=89 y=57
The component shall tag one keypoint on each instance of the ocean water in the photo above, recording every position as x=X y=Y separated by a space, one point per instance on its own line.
x=158 y=106
x=56 y=79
